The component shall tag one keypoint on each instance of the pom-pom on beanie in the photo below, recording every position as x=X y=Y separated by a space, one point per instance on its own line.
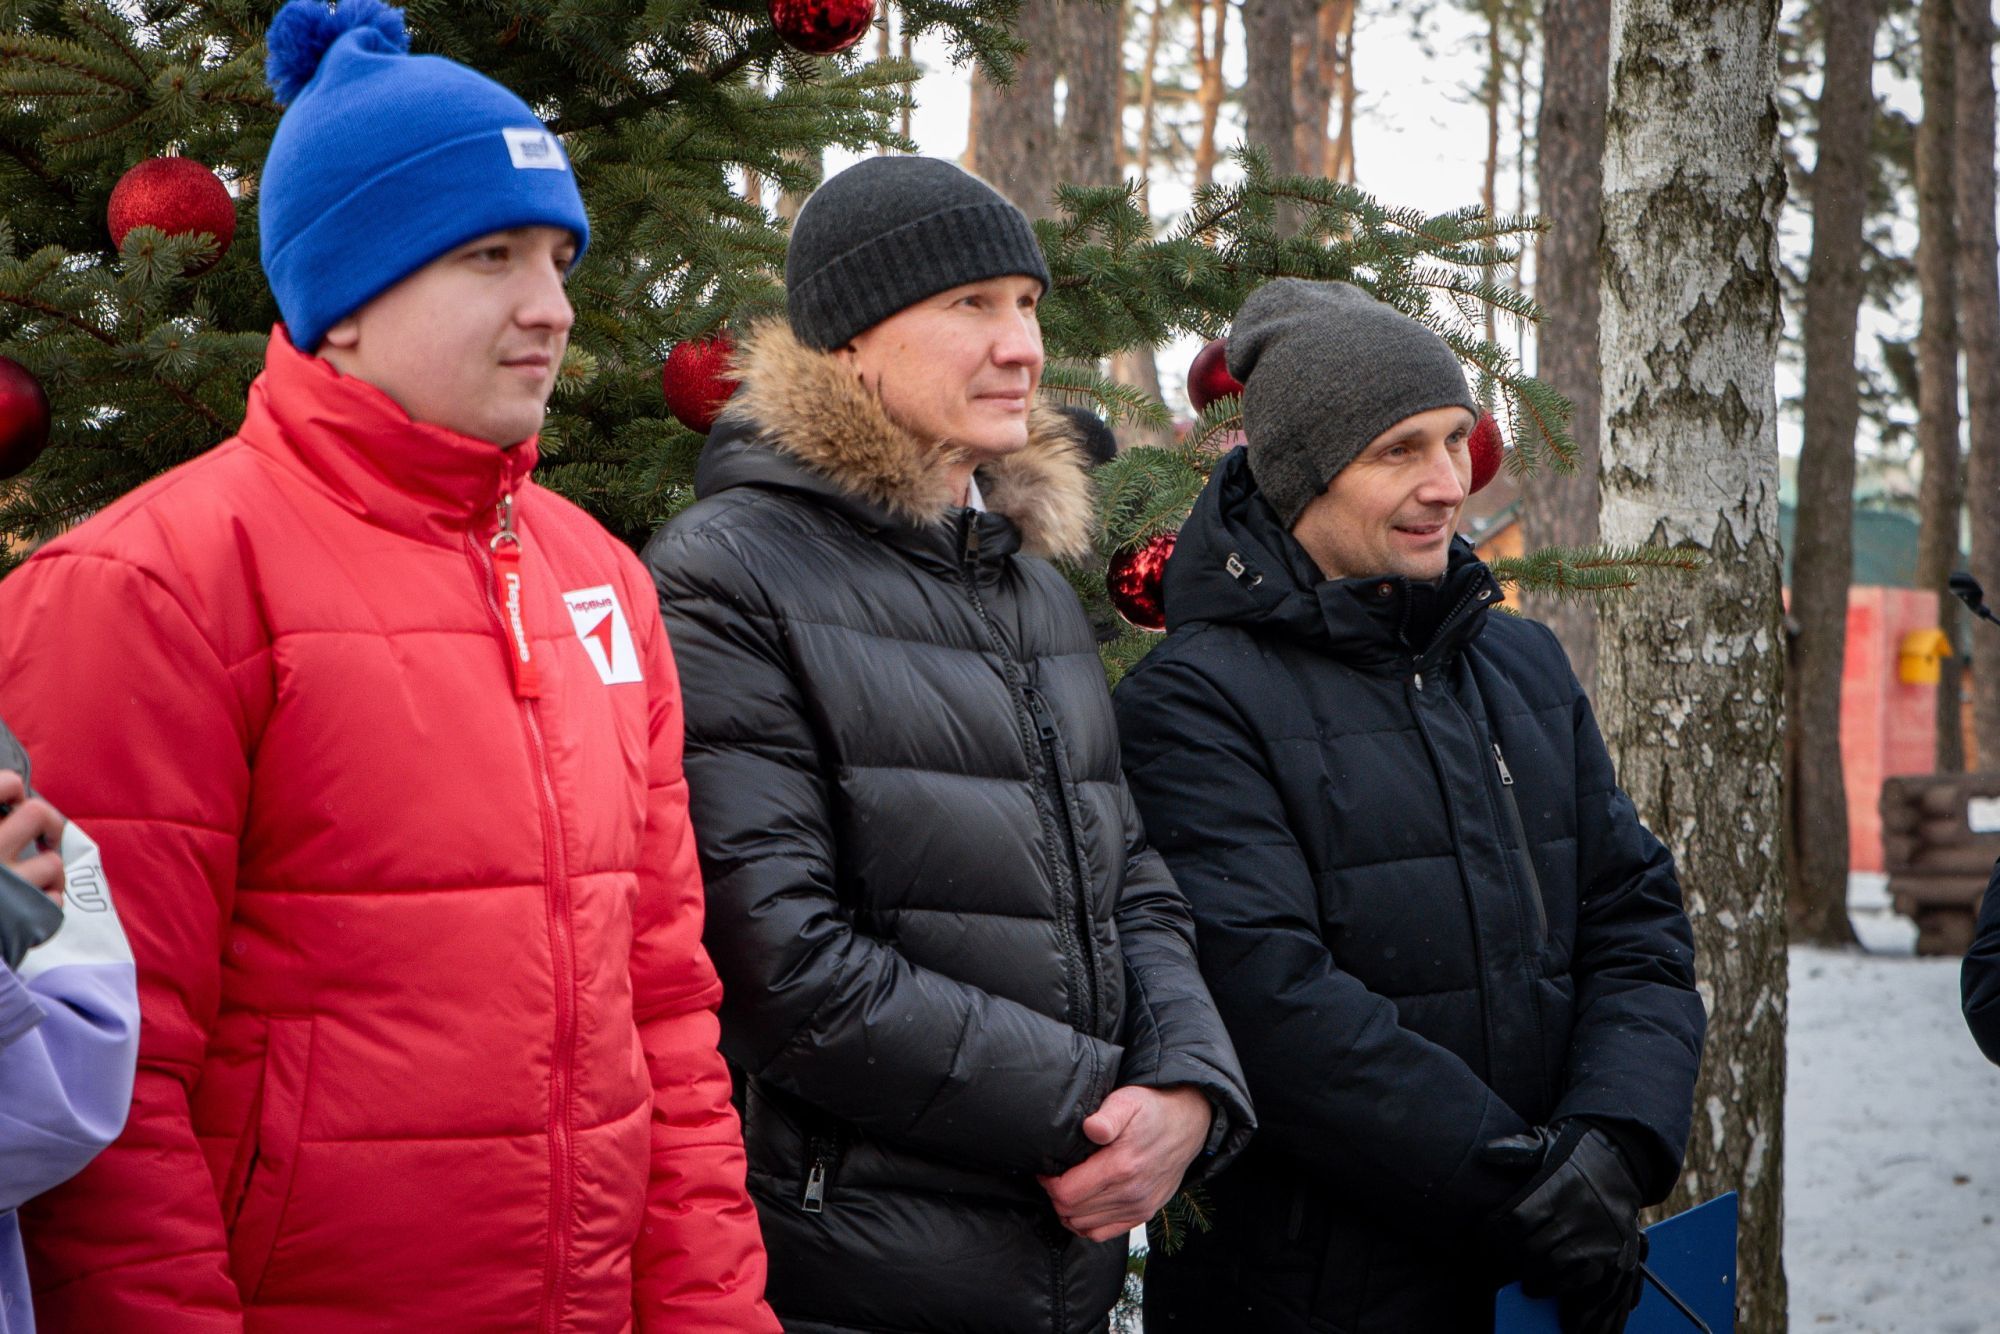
x=384 y=161
x=888 y=232
x=1325 y=369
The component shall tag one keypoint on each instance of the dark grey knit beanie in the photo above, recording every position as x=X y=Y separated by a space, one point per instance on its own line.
x=890 y=231
x=1325 y=369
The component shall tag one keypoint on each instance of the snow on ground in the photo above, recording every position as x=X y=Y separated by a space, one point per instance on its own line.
x=1892 y=1142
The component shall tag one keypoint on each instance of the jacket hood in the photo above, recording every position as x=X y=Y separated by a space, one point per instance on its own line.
x=1235 y=563
x=407 y=476
x=803 y=421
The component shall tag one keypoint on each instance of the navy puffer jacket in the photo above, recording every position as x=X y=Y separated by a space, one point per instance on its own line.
x=1429 y=916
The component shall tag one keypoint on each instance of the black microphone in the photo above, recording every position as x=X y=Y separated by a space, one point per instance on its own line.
x=1967 y=590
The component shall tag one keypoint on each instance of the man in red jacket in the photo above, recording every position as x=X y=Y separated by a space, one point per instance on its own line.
x=383 y=743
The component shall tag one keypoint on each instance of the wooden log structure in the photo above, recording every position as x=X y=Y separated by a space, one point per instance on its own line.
x=1940 y=839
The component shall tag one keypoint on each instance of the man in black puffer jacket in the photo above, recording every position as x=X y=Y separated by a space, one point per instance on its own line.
x=964 y=991
x=1454 y=963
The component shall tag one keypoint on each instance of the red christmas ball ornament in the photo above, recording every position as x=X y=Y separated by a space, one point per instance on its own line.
x=696 y=382
x=177 y=195
x=24 y=417
x=822 y=26
x=1486 y=448
x=1133 y=580
x=1209 y=377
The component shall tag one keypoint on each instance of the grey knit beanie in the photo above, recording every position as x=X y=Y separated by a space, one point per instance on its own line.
x=890 y=231
x=1325 y=369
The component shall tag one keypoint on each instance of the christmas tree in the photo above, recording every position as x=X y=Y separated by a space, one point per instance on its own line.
x=143 y=318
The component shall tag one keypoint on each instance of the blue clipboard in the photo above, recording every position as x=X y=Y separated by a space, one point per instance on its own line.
x=1693 y=1253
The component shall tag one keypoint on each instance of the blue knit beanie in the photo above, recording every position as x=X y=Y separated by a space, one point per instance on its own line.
x=384 y=161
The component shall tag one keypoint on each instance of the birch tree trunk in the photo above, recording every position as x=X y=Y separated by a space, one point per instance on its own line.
x=1560 y=510
x=1942 y=491
x=1979 y=331
x=1823 y=561
x=1690 y=669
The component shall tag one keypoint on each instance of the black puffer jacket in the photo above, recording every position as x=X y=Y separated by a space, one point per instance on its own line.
x=941 y=936
x=1979 y=975
x=1402 y=984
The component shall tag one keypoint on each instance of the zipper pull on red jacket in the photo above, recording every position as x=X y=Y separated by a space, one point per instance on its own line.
x=506 y=548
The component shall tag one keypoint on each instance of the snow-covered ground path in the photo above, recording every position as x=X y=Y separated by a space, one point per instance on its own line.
x=1892 y=1150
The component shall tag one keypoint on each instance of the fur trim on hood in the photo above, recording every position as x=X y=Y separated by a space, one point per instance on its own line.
x=807 y=404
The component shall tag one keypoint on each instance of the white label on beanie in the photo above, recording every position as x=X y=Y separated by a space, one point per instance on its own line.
x=534 y=150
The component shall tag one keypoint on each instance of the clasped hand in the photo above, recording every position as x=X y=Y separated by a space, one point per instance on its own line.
x=1146 y=1139
x=1572 y=1231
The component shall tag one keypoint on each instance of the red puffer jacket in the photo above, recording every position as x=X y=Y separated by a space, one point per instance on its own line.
x=429 y=1033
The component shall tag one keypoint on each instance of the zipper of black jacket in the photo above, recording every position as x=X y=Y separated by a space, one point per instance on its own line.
x=1058 y=1292
x=500 y=562
x=1454 y=822
x=1536 y=900
x=1083 y=1007
x=1531 y=949
x=822 y=1152
x=1058 y=791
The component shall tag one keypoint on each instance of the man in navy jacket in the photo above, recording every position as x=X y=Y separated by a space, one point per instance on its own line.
x=1453 y=962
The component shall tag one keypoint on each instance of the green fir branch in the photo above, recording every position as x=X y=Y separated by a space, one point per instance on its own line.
x=1577 y=572
x=1188 y=1212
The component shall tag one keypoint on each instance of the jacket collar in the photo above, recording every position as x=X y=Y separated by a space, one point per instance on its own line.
x=1236 y=563
x=804 y=422
x=407 y=476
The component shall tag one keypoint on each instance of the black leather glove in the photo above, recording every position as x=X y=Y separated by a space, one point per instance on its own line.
x=1572 y=1231
x=1605 y=1308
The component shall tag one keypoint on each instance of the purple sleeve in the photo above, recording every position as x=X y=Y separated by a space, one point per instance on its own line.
x=19 y=1014
x=66 y=1075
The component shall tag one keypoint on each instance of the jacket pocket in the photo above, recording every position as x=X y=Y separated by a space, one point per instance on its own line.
x=274 y=1151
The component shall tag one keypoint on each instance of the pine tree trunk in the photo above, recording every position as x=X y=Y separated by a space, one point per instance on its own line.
x=1341 y=166
x=1312 y=88
x=1093 y=76
x=1942 y=492
x=1211 y=44
x=1979 y=331
x=1690 y=669
x=1334 y=18
x=1149 y=86
x=908 y=52
x=1489 y=92
x=1560 y=510
x=1268 y=111
x=1014 y=128
x=1091 y=33
x=1524 y=167
x=1823 y=557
